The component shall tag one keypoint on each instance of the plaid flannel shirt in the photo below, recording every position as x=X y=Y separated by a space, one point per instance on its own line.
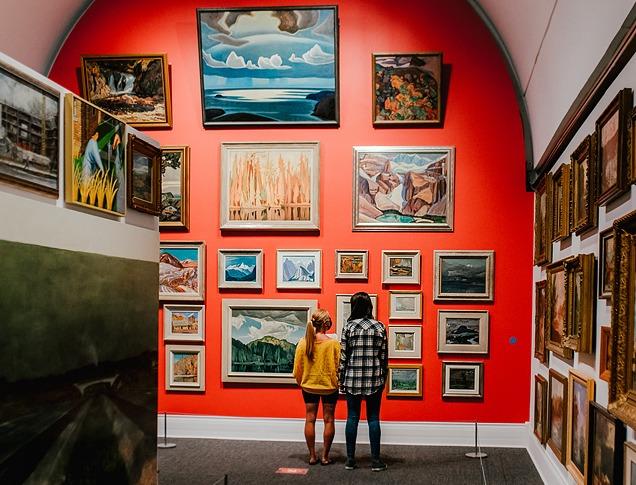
x=363 y=357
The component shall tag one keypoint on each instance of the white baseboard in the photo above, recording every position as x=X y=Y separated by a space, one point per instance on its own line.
x=393 y=432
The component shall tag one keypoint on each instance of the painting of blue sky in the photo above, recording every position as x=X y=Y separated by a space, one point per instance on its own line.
x=266 y=65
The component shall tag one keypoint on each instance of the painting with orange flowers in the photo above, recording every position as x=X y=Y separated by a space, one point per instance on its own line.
x=407 y=88
x=271 y=186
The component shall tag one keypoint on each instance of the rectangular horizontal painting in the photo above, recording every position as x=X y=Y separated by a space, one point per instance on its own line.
x=260 y=338
x=462 y=331
x=299 y=268
x=29 y=131
x=269 y=186
x=184 y=322
x=269 y=66
x=403 y=188
x=464 y=275
x=404 y=380
x=462 y=379
x=181 y=271
x=352 y=264
x=241 y=268
x=405 y=342
x=185 y=367
x=402 y=267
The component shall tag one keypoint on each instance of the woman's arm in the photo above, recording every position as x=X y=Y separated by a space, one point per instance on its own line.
x=299 y=361
x=342 y=367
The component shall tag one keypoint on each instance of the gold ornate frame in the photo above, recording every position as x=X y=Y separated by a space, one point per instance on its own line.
x=577 y=328
x=588 y=382
x=583 y=185
x=561 y=205
x=543 y=225
x=556 y=347
x=540 y=312
x=540 y=384
x=559 y=452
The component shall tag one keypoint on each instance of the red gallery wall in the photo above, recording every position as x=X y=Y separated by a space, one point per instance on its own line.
x=492 y=208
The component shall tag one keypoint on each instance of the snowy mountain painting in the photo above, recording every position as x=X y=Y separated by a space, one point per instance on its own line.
x=240 y=268
x=299 y=268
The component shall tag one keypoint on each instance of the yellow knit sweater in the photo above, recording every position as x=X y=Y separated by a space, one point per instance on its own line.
x=320 y=374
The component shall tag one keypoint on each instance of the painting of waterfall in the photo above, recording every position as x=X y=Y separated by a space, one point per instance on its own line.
x=269 y=66
x=134 y=88
x=241 y=268
x=299 y=268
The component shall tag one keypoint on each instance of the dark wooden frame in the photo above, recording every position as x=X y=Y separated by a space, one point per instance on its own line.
x=153 y=206
x=556 y=347
x=476 y=365
x=622 y=104
x=631 y=144
x=543 y=225
x=561 y=214
x=540 y=383
x=619 y=439
x=184 y=223
x=578 y=331
x=540 y=287
x=603 y=237
x=586 y=151
x=560 y=453
x=604 y=366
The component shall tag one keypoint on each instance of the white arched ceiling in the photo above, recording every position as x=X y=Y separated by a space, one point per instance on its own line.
x=554 y=45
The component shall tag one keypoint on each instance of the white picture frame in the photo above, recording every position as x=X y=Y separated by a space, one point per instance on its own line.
x=405 y=342
x=401 y=267
x=463 y=379
x=465 y=324
x=173 y=255
x=343 y=309
x=184 y=322
x=240 y=268
x=405 y=305
x=175 y=382
x=347 y=261
x=292 y=265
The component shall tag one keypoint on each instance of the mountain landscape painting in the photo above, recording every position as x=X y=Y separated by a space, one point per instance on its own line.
x=240 y=268
x=269 y=66
x=299 y=268
x=463 y=275
x=175 y=183
x=462 y=331
x=179 y=272
x=403 y=189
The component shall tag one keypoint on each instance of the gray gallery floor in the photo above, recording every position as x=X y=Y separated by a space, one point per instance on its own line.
x=196 y=461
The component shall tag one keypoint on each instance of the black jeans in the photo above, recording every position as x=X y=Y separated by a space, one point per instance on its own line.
x=373 y=419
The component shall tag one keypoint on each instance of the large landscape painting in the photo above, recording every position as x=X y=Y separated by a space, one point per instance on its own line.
x=403 y=189
x=269 y=66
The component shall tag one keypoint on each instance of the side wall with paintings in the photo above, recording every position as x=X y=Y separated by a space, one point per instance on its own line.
x=588 y=364
x=492 y=209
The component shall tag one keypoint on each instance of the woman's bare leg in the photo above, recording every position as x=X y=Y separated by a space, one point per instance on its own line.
x=328 y=411
x=310 y=429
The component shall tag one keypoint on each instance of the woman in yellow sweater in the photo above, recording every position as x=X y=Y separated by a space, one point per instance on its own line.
x=315 y=370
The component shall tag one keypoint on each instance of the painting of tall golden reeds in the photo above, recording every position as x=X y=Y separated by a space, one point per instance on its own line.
x=269 y=186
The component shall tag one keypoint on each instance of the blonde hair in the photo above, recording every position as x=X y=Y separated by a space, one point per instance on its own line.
x=319 y=321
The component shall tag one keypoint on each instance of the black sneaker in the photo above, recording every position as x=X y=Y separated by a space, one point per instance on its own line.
x=378 y=466
x=350 y=464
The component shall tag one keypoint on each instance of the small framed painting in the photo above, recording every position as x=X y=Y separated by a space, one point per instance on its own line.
x=580 y=393
x=464 y=275
x=558 y=309
x=135 y=88
x=407 y=88
x=605 y=361
x=175 y=188
x=352 y=264
x=561 y=198
x=584 y=210
x=404 y=380
x=240 y=268
x=462 y=379
x=405 y=305
x=184 y=322
x=401 y=267
x=611 y=132
x=580 y=320
x=405 y=342
x=144 y=176
x=343 y=309
x=540 y=426
x=605 y=451
x=462 y=331
x=606 y=263
x=543 y=222
x=298 y=268
x=557 y=413
x=632 y=139
x=629 y=464
x=181 y=270
x=185 y=367
x=540 y=309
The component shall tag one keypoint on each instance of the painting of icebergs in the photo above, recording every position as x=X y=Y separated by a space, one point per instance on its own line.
x=240 y=268
x=181 y=271
x=403 y=188
x=298 y=268
x=269 y=65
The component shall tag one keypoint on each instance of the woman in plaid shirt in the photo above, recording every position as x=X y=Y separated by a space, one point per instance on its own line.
x=362 y=375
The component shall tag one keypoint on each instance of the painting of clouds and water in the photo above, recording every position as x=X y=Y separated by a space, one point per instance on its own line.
x=269 y=65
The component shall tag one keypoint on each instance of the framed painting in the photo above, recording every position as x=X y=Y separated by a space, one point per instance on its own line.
x=352 y=264
x=557 y=309
x=561 y=197
x=543 y=222
x=464 y=275
x=611 y=132
x=580 y=393
x=405 y=305
x=144 y=176
x=605 y=356
x=343 y=309
x=298 y=268
x=175 y=188
x=407 y=88
x=260 y=338
x=558 y=413
x=540 y=311
x=577 y=331
x=606 y=263
x=185 y=367
x=632 y=146
x=462 y=379
x=629 y=464
x=135 y=88
x=622 y=385
x=403 y=188
x=405 y=342
x=404 y=380
x=181 y=271
x=269 y=66
x=462 y=331
x=29 y=131
x=240 y=268
x=270 y=186
x=402 y=267
x=95 y=158
x=540 y=425
x=184 y=322
x=584 y=210
x=605 y=451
